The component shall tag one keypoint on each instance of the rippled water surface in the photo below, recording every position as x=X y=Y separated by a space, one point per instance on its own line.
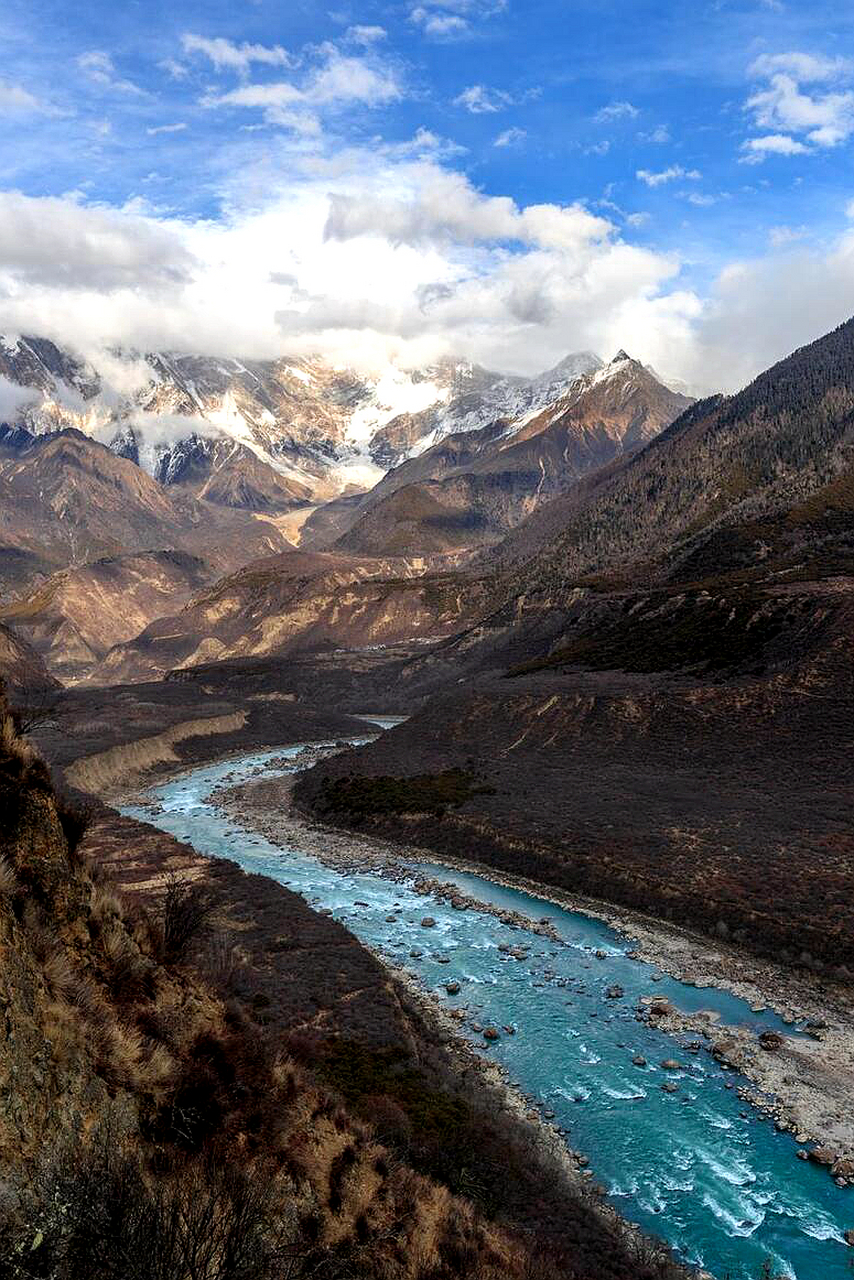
x=697 y=1167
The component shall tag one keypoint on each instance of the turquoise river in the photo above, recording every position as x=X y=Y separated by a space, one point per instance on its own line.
x=698 y=1168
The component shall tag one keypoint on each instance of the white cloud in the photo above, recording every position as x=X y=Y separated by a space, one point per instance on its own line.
x=178 y=127
x=616 y=111
x=441 y=26
x=15 y=100
x=659 y=135
x=365 y=35
x=667 y=175
x=98 y=67
x=385 y=253
x=444 y=206
x=225 y=55
x=823 y=118
x=57 y=242
x=454 y=19
x=778 y=237
x=481 y=100
x=510 y=137
x=778 y=144
x=12 y=400
x=337 y=80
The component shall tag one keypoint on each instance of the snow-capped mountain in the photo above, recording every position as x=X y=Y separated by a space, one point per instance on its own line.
x=478 y=399
x=306 y=430
x=472 y=486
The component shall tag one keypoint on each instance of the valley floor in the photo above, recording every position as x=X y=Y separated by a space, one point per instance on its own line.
x=805 y=1083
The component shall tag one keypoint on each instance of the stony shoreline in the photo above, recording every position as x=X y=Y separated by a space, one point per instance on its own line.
x=804 y=1083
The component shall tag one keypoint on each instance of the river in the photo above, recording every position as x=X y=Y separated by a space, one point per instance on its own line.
x=697 y=1167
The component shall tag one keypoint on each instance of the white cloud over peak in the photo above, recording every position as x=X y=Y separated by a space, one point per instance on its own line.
x=12 y=399
x=386 y=253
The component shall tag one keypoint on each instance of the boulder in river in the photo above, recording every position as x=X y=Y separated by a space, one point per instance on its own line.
x=614 y=992
x=452 y=988
x=428 y=923
x=490 y=1033
x=639 y=1060
x=848 y=1237
x=670 y=1064
x=660 y=1007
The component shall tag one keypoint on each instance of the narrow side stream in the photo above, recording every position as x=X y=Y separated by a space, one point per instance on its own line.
x=691 y=1163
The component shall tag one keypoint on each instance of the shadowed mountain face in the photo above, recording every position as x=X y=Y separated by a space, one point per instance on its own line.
x=471 y=488
x=21 y=669
x=229 y=474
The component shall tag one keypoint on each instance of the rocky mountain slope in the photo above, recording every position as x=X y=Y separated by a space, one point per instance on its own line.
x=76 y=615
x=22 y=669
x=471 y=487
x=67 y=500
x=297 y=602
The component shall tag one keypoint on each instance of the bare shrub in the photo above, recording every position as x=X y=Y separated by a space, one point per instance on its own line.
x=219 y=962
x=105 y=909
x=103 y=1217
x=119 y=1055
x=75 y=820
x=186 y=910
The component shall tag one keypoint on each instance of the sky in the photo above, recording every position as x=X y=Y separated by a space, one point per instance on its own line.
x=497 y=180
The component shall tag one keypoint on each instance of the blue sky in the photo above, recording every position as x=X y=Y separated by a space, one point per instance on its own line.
x=392 y=167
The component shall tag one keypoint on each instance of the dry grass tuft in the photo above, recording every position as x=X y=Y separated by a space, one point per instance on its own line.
x=8 y=879
x=60 y=977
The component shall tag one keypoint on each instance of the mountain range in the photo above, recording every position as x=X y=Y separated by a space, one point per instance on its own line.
x=99 y=540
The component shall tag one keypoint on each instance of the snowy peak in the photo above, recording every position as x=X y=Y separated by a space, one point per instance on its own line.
x=321 y=428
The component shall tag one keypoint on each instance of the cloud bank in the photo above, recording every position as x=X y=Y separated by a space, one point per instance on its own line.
x=369 y=255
